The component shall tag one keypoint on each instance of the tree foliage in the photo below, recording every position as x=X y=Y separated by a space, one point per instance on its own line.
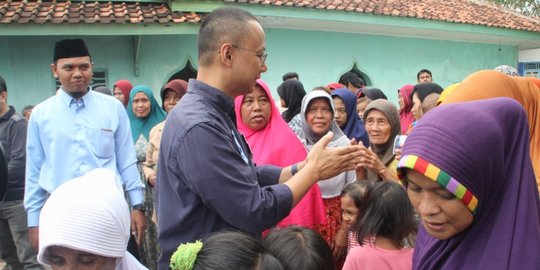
x=526 y=7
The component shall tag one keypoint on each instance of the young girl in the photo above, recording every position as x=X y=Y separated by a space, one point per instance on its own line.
x=299 y=248
x=352 y=198
x=386 y=219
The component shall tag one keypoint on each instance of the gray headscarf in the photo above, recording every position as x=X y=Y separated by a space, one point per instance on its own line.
x=307 y=136
x=384 y=151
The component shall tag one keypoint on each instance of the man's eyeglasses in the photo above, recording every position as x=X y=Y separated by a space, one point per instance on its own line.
x=262 y=56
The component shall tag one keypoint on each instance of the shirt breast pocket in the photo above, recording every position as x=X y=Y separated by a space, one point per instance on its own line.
x=101 y=142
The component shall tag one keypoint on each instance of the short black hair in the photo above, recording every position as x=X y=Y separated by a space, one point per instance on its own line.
x=290 y=75
x=356 y=191
x=423 y=71
x=424 y=89
x=299 y=248
x=27 y=107
x=387 y=212
x=234 y=250
x=352 y=78
x=222 y=25
x=3 y=87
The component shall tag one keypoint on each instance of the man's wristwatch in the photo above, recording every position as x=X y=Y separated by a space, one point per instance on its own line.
x=139 y=207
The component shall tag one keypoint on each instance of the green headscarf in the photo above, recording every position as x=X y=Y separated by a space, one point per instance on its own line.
x=144 y=125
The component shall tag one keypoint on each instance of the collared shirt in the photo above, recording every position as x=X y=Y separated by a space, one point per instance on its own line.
x=204 y=183
x=67 y=138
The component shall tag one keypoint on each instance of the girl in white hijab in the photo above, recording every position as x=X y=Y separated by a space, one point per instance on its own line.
x=85 y=225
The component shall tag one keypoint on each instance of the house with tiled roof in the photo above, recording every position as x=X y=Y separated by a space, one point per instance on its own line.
x=152 y=41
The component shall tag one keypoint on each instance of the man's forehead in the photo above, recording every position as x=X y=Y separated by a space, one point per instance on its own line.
x=74 y=60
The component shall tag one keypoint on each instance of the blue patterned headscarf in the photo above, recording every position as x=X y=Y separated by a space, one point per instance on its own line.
x=144 y=125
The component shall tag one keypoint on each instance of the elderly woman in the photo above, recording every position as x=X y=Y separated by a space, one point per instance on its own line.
x=469 y=176
x=85 y=225
x=272 y=142
x=144 y=113
x=317 y=120
x=382 y=124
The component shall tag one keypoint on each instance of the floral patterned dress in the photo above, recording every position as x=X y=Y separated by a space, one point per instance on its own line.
x=149 y=248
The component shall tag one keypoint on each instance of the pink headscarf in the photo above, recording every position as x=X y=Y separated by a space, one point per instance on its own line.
x=406 y=117
x=125 y=86
x=276 y=144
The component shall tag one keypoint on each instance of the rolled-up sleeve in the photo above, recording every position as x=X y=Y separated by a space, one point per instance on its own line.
x=246 y=197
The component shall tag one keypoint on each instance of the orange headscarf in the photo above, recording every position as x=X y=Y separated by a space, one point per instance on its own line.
x=489 y=84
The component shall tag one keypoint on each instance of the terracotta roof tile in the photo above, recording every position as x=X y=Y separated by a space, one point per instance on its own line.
x=36 y=11
x=476 y=12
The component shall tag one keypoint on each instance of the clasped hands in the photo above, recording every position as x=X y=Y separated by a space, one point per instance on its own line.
x=330 y=162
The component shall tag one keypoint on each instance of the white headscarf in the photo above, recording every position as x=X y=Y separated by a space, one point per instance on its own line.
x=89 y=214
x=307 y=136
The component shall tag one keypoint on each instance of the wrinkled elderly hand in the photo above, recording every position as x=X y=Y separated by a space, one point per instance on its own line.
x=371 y=161
x=330 y=162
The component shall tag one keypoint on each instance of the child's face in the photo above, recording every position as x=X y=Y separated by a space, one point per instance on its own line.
x=349 y=212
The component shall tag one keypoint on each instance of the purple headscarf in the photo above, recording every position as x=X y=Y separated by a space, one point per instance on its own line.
x=483 y=147
x=355 y=127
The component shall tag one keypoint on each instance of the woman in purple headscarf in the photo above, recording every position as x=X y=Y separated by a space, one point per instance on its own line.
x=469 y=176
x=346 y=116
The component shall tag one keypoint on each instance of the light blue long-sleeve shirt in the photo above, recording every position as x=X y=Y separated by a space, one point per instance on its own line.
x=67 y=138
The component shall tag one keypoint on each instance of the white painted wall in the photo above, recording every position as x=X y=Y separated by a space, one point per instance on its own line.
x=529 y=55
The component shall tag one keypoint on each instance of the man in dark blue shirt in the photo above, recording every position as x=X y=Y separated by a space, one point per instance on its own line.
x=207 y=181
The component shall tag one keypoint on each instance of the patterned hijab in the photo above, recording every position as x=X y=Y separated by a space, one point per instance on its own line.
x=479 y=151
x=308 y=137
x=406 y=118
x=144 y=125
x=384 y=151
x=354 y=127
x=291 y=92
x=488 y=84
x=125 y=86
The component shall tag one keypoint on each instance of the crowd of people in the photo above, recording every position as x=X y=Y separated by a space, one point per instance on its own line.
x=218 y=177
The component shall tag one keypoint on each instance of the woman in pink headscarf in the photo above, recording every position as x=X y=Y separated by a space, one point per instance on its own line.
x=121 y=91
x=272 y=142
x=406 y=117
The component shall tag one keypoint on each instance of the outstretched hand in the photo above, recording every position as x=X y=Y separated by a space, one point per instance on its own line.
x=329 y=162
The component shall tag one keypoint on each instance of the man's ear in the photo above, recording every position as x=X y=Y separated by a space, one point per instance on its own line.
x=53 y=70
x=225 y=54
